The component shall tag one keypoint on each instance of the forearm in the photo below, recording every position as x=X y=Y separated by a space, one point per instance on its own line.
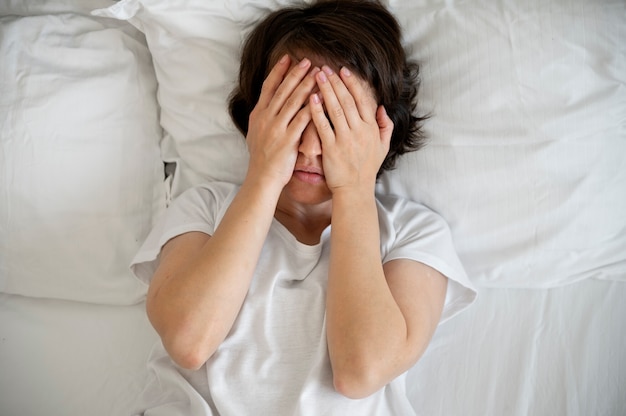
x=366 y=329
x=194 y=307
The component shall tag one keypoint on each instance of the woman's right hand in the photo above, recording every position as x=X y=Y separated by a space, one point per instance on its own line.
x=279 y=119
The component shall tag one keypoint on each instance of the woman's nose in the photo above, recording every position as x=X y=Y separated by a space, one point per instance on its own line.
x=310 y=144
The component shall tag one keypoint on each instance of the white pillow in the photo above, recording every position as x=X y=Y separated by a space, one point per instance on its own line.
x=195 y=49
x=527 y=157
x=81 y=176
x=527 y=137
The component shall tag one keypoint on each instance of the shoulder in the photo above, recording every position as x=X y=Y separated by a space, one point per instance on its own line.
x=396 y=214
x=205 y=192
x=199 y=208
x=413 y=231
x=200 y=201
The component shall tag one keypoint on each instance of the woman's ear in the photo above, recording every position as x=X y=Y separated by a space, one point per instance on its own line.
x=385 y=124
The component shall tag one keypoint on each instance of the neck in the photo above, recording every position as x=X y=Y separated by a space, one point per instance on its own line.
x=306 y=223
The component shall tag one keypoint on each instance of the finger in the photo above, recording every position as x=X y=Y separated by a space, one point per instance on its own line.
x=321 y=122
x=362 y=94
x=299 y=123
x=288 y=85
x=299 y=97
x=345 y=98
x=273 y=80
x=336 y=112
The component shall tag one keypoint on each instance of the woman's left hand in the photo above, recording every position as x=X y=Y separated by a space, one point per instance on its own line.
x=355 y=135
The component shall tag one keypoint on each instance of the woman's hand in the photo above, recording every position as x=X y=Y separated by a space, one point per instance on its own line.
x=278 y=120
x=356 y=133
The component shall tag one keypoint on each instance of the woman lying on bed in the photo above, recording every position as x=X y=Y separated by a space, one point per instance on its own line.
x=300 y=290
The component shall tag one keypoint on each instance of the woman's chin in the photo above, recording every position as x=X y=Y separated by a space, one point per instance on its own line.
x=307 y=189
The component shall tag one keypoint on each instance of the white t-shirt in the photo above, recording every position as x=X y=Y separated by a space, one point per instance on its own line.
x=275 y=360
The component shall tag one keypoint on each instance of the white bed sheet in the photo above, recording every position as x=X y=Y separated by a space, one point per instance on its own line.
x=70 y=358
x=521 y=352
x=516 y=352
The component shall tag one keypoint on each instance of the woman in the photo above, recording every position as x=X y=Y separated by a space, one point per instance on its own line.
x=300 y=290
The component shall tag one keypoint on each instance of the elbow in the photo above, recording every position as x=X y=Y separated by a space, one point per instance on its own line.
x=189 y=360
x=357 y=377
x=185 y=354
x=186 y=347
x=357 y=382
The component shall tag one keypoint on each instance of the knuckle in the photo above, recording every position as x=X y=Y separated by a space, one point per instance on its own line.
x=338 y=112
x=333 y=77
x=366 y=101
x=349 y=105
x=324 y=126
x=279 y=94
x=291 y=102
x=303 y=115
x=267 y=84
x=255 y=114
x=295 y=73
x=307 y=84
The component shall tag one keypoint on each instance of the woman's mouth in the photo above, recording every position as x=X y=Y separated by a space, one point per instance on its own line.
x=308 y=174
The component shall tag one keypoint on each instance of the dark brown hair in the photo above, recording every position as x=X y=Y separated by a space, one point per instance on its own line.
x=361 y=35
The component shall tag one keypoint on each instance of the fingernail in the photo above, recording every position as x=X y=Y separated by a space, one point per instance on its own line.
x=314 y=71
x=304 y=63
x=316 y=98
x=345 y=71
x=327 y=69
x=284 y=59
x=322 y=76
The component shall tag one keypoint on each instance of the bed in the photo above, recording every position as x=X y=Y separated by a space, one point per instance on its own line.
x=109 y=110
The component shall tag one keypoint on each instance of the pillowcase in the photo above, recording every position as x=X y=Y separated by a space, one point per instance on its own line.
x=527 y=139
x=195 y=50
x=526 y=148
x=81 y=176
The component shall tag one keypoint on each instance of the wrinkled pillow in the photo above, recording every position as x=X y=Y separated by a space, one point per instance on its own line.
x=195 y=49
x=81 y=177
x=527 y=139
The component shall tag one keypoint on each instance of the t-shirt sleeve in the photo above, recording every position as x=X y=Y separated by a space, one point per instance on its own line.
x=412 y=231
x=197 y=209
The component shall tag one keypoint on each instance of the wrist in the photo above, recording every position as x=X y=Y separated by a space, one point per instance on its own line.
x=353 y=197
x=356 y=190
x=263 y=182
